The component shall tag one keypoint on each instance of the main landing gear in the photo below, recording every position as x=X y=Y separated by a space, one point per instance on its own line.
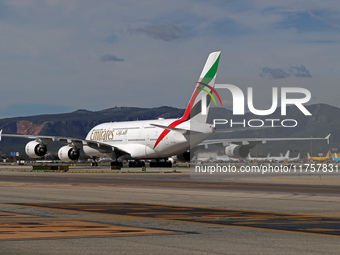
x=160 y=163
x=117 y=164
x=136 y=163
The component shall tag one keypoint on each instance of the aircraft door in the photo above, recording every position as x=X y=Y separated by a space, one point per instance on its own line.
x=147 y=144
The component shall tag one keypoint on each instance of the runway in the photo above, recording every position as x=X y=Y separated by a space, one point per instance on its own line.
x=168 y=213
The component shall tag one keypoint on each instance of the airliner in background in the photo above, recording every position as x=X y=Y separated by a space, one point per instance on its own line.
x=275 y=158
x=279 y=158
x=320 y=159
x=258 y=159
x=294 y=159
x=335 y=157
x=152 y=139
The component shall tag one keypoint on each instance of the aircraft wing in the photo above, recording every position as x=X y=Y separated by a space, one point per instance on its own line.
x=75 y=142
x=255 y=141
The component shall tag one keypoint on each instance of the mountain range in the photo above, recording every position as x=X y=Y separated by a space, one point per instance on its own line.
x=324 y=120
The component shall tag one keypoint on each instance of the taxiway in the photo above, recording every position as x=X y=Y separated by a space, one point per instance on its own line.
x=167 y=213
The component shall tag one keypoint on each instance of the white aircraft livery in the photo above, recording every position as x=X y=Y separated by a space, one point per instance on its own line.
x=152 y=139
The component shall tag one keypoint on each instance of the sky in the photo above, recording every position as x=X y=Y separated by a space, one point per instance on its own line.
x=60 y=56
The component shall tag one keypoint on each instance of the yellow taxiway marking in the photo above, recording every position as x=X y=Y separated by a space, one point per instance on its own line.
x=320 y=229
x=13 y=215
x=298 y=180
x=28 y=230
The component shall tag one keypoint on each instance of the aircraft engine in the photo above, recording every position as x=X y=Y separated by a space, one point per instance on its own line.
x=35 y=149
x=184 y=157
x=68 y=153
x=237 y=151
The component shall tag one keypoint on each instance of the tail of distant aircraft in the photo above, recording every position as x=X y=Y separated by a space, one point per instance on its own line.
x=335 y=157
x=308 y=156
x=327 y=156
x=204 y=92
x=287 y=154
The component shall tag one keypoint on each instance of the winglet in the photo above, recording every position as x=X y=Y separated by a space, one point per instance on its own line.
x=0 y=134
x=327 y=138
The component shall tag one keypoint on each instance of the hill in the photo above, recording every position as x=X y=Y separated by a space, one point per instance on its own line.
x=75 y=124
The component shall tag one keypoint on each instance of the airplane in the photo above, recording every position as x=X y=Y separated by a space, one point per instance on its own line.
x=279 y=158
x=258 y=159
x=203 y=159
x=335 y=158
x=152 y=139
x=320 y=159
x=293 y=159
x=224 y=158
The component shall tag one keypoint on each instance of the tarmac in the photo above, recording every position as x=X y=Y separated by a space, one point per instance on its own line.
x=99 y=211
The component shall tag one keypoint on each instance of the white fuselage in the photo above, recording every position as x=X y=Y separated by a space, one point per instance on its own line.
x=138 y=138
